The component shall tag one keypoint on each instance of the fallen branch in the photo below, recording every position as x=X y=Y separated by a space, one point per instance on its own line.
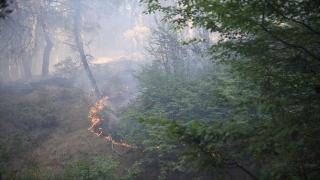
x=113 y=149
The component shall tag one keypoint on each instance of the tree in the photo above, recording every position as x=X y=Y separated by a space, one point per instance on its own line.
x=79 y=45
x=22 y=27
x=27 y=47
x=272 y=50
x=171 y=89
x=49 y=44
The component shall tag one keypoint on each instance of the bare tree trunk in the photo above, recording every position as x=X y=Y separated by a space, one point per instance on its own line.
x=46 y=55
x=4 y=64
x=48 y=48
x=26 y=63
x=79 y=44
x=20 y=69
x=26 y=57
x=206 y=37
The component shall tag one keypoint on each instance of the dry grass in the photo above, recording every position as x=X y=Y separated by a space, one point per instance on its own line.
x=70 y=141
x=54 y=148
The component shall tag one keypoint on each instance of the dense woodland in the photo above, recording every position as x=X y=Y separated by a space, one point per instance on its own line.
x=169 y=89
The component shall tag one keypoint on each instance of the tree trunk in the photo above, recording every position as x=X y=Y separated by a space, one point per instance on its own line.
x=46 y=55
x=48 y=48
x=26 y=57
x=79 y=44
x=4 y=64
x=26 y=65
x=15 y=70
x=206 y=37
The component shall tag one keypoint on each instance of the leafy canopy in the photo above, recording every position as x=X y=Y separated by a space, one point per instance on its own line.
x=271 y=48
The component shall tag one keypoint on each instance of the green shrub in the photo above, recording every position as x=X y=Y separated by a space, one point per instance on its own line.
x=67 y=68
x=100 y=168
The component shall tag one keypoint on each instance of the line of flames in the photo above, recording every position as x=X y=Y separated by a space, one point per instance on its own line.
x=98 y=107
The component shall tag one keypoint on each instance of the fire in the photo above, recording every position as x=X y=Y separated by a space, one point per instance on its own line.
x=109 y=138
x=93 y=113
x=95 y=119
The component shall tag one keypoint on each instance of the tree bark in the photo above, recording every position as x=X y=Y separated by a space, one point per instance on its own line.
x=79 y=44
x=15 y=70
x=5 y=75
x=26 y=58
x=206 y=37
x=46 y=55
x=48 y=48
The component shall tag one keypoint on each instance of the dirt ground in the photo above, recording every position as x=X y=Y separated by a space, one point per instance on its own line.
x=63 y=136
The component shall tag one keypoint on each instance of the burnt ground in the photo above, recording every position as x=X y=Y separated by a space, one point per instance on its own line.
x=46 y=128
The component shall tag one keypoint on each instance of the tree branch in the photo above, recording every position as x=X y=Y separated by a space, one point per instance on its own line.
x=290 y=19
x=245 y=170
x=288 y=44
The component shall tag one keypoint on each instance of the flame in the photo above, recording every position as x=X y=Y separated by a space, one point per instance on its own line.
x=94 y=111
x=95 y=119
x=121 y=143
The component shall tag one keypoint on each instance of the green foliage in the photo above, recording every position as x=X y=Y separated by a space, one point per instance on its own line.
x=30 y=114
x=16 y=158
x=133 y=172
x=67 y=68
x=33 y=117
x=174 y=86
x=100 y=168
x=271 y=48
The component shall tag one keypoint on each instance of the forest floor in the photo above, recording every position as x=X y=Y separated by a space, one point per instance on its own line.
x=57 y=139
x=47 y=129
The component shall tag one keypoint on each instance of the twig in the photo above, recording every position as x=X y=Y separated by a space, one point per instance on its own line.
x=291 y=19
x=287 y=43
x=245 y=170
x=113 y=149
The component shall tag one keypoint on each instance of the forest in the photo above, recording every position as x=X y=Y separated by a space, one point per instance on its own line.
x=159 y=89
